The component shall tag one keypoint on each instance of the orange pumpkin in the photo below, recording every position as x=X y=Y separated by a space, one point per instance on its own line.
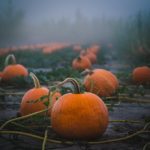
x=91 y=56
x=111 y=76
x=1 y=74
x=94 y=49
x=13 y=70
x=27 y=104
x=55 y=97
x=77 y=48
x=141 y=75
x=79 y=115
x=81 y=63
x=101 y=82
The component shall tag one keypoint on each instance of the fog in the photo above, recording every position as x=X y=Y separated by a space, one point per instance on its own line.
x=74 y=21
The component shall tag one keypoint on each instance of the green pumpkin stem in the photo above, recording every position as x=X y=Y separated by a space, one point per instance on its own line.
x=50 y=96
x=8 y=58
x=74 y=83
x=35 y=80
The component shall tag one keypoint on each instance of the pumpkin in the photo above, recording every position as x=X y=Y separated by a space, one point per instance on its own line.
x=54 y=95
x=81 y=63
x=91 y=56
x=27 y=104
x=111 y=76
x=101 y=82
x=79 y=115
x=141 y=75
x=13 y=70
x=94 y=49
x=77 y=48
x=1 y=74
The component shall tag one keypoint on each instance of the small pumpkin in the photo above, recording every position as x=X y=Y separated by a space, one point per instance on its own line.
x=27 y=105
x=77 y=48
x=81 y=63
x=54 y=97
x=1 y=74
x=79 y=115
x=13 y=70
x=101 y=82
x=94 y=49
x=141 y=75
x=91 y=56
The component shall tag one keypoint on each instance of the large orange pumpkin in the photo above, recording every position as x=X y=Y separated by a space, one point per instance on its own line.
x=13 y=70
x=81 y=63
x=79 y=115
x=27 y=104
x=101 y=82
x=141 y=75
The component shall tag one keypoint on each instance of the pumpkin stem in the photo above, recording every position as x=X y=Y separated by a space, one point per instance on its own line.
x=86 y=71
x=74 y=83
x=35 y=80
x=50 y=96
x=8 y=58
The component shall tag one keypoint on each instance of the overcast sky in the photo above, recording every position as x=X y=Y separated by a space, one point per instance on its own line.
x=38 y=10
x=38 y=25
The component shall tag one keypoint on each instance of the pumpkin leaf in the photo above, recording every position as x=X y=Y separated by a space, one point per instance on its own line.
x=43 y=97
x=38 y=100
x=46 y=103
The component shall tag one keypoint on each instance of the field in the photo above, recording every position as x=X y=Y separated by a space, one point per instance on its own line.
x=129 y=106
x=74 y=75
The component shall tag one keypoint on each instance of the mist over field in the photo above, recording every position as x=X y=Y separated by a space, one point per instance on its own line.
x=73 y=21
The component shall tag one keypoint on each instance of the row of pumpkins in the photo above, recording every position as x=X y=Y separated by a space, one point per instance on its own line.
x=73 y=115
x=86 y=57
x=45 y=47
x=140 y=75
